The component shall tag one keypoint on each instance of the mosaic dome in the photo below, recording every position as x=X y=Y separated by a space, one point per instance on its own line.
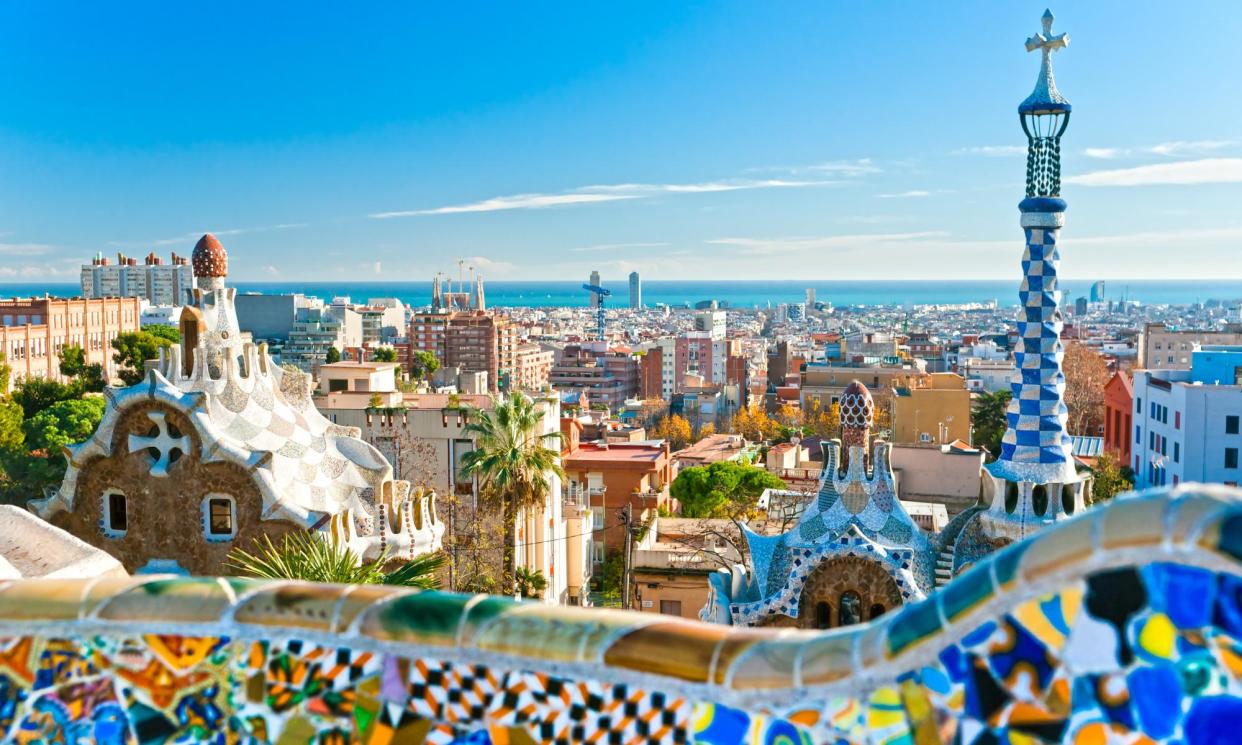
x=857 y=408
x=209 y=258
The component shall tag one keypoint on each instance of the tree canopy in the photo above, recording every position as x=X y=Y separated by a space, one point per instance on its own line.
x=134 y=348
x=384 y=354
x=1111 y=478
x=334 y=355
x=73 y=365
x=423 y=364
x=988 y=417
x=722 y=489
x=676 y=429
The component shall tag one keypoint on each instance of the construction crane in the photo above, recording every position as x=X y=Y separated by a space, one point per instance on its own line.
x=600 y=293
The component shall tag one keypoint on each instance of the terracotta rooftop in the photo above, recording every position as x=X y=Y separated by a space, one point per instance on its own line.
x=712 y=448
x=625 y=452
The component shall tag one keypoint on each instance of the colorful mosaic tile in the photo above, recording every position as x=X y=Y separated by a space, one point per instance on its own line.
x=1103 y=652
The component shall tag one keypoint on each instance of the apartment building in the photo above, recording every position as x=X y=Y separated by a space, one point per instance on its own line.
x=474 y=341
x=1188 y=423
x=33 y=331
x=152 y=280
x=424 y=436
x=607 y=476
x=1162 y=348
x=930 y=409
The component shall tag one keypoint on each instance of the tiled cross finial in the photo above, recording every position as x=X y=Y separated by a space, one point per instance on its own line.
x=163 y=442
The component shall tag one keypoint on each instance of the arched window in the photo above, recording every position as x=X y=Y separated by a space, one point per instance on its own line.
x=115 y=513
x=823 y=616
x=219 y=517
x=1067 y=499
x=1011 y=496
x=851 y=609
x=877 y=610
x=1039 y=499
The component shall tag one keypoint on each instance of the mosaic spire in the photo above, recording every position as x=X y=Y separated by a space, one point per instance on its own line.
x=1036 y=464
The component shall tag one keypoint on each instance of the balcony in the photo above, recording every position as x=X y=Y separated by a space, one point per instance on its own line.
x=577 y=495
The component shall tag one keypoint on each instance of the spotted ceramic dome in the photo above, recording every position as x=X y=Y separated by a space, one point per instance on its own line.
x=209 y=258
x=857 y=408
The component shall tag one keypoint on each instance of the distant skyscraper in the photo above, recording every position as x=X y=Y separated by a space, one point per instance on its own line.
x=595 y=298
x=636 y=290
x=1080 y=306
x=810 y=298
x=1097 y=292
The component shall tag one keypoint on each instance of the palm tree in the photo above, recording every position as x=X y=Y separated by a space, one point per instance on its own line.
x=314 y=557
x=512 y=460
x=530 y=582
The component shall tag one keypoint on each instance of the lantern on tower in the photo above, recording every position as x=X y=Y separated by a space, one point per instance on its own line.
x=1044 y=116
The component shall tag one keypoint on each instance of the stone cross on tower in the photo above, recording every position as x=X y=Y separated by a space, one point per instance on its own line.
x=1047 y=41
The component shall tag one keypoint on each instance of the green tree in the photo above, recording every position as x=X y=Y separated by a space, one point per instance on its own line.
x=988 y=418
x=384 y=354
x=512 y=461
x=530 y=582
x=6 y=374
x=611 y=580
x=423 y=364
x=12 y=435
x=73 y=365
x=31 y=459
x=64 y=423
x=723 y=489
x=1111 y=478
x=317 y=557
x=36 y=394
x=134 y=348
x=334 y=355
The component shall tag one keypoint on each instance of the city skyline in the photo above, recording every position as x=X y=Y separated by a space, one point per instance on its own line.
x=774 y=144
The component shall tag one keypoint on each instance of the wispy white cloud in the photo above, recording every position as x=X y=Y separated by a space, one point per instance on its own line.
x=193 y=236
x=849 y=168
x=25 y=249
x=991 y=151
x=1190 y=147
x=768 y=246
x=704 y=187
x=602 y=247
x=1190 y=237
x=600 y=193
x=1184 y=173
x=911 y=194
x=514 y=202
x=1167 y=149
x=482 y=264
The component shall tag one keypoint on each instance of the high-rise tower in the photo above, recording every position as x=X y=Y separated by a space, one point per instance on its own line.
x=596 y=300
x=1034 y=480
x=636 y=290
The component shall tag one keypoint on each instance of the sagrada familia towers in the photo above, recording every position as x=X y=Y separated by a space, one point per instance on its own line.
x=856 y=553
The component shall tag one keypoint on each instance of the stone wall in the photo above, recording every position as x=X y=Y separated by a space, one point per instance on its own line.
x=165 y=516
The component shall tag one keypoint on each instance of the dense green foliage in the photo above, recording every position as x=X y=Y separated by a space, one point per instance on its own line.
x=37 y=419
x=134 y=348
x=530 y=582
x=334 y=355
x=384 y=354
x=423 y=364
x=73 y=365
x=1111 y=478
x=314 y=557
x=988 y=419
x=723 y=489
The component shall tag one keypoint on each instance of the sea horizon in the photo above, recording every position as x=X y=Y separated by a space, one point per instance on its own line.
x=736 y=293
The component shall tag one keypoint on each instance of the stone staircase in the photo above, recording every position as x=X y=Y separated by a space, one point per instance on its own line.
x=944 y=567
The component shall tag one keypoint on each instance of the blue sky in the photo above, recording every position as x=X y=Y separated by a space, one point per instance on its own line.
x=831 y=140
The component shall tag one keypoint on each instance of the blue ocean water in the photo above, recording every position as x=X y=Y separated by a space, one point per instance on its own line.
x=737 y=293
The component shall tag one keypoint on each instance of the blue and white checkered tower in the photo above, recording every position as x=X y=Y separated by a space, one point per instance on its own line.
x=1034 y=481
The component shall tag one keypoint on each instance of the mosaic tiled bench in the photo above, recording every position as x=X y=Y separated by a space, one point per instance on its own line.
x=1123 y=625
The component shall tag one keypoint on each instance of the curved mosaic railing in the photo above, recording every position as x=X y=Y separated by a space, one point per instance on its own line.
x=1121 y=625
